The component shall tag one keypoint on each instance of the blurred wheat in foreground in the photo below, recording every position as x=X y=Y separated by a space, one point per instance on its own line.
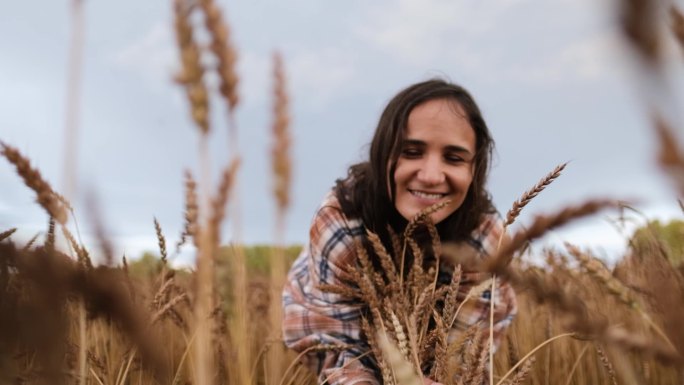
x=66 y=319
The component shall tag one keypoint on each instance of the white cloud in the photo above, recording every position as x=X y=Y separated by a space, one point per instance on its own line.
x=322 y=73
x=416 y=31
x=153 y=56
x=309 y=72
x=599 y=56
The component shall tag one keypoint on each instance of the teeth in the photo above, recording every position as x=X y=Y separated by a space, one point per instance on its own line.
x=426 y=195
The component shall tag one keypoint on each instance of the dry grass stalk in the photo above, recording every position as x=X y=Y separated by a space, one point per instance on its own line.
x=532 y=193
x=386 y=260
x=219 y=203
x=541 y=225
x=192 y=73
x=677 y=24
x=281 y=167
x=31 y=241
x=606 y=364
x=648 y=347
x=423 y=217
x=33 y=179
x=639 y=22
x=600 y=272
x=7 y=233
x=191 y=213
x=523 y=373
x=168 y=307
x=280 y=152
x=161 y=240
x=50 y=236
x=451 y=300
x=417 y=316
x=670 y=156
x=100 y=233
x=81 y=252
x=202 y=320
x=395 y=239
x=402 y=369
x=223 y=50
x=385 y=369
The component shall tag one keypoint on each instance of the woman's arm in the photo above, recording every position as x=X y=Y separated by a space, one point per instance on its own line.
x=325 y=327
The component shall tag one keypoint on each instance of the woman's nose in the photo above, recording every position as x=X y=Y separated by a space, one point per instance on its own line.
x=431 y=172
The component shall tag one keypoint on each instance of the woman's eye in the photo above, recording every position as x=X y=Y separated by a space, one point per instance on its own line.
x=411 y=153
x=453 y=158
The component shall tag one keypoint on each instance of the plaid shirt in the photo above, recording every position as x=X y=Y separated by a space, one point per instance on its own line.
x=313 y=318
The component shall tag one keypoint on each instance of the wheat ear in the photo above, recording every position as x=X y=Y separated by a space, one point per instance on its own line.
x=281 y=164
x=219 y=203
x=532 y=193
x=677 y=24
x=541 y=225
x=606 y=364
x=7 y=233
x=670 y=156
x=191 y=213
x=522 y=374
x=639 y=24
x=223 y=50
x=404 y=373
x=161 y=240
x=192 y=72
x=33 y=179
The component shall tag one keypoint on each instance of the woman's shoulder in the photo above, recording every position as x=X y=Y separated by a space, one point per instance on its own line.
x=330 y=215
x=485 y=238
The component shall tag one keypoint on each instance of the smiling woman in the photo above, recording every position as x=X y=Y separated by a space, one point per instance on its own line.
x=431 y=147
x=436 y=160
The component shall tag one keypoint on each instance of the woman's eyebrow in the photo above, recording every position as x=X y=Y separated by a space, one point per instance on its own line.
x=456 y=148
x=413 y=142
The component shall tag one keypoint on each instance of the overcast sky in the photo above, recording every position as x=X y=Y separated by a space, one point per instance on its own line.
x=552 y=77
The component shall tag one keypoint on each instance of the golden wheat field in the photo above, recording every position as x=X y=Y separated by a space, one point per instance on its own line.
x=67 y=320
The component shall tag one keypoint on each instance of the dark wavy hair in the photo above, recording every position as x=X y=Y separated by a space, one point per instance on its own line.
x=364 y=194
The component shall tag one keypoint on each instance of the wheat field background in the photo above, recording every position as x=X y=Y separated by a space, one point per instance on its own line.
x=77 y=313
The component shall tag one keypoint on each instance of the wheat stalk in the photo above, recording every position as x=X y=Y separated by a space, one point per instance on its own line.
x=532 y=193
x=639 y=22
x=81 y=252
x=223 y=50
x=403 y=371
x=191 y=213
x=606 y=364
x=281 y=167
x=220 y=201
x=677 y=24
x=161 y=240
x=540 y=226
x=281 y=146
x=670 y=156
x=522 y=374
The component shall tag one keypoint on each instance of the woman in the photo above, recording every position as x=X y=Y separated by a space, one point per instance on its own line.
x=431 y=145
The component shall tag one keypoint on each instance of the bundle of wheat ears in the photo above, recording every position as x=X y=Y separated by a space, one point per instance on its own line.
x=414 y=309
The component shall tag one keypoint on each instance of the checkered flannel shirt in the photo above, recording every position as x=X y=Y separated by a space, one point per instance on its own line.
x=313 y=317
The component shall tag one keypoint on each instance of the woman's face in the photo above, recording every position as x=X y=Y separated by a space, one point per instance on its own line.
x=436 y=160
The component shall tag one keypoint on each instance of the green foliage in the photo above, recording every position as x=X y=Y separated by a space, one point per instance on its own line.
x=148 y=265
x=668 y=237
x=258 y=257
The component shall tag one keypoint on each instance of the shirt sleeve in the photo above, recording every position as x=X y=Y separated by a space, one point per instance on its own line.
x=476 y=310
x=317 y=322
